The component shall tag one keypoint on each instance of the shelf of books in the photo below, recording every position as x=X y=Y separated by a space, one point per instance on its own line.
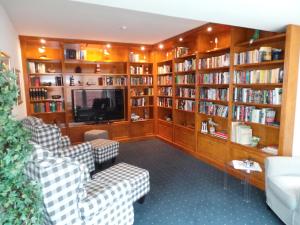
x=141 y=92
x=213 y=83
x=257 y=94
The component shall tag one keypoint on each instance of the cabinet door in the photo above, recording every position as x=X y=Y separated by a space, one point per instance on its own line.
x=165 y=130
x=142 y=128
x=185 y=138
x=119 y=131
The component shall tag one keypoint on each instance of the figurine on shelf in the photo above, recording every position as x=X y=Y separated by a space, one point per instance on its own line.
x=212 y=128
x=72 y=81
x=216 y=43
x=97 y=68
x=204 y=127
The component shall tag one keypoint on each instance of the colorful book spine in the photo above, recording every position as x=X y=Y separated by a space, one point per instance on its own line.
x=164 y=69
x=272 y=76
x=164 y=80
x=164 y=102
x=220 y=94
x=185 y=79
x=141 y=80
x=185 y=92
x=214 y=62
x=167 y=91
x=186 y=105
x=212 y=109
x=186 y=65
x=214 y=78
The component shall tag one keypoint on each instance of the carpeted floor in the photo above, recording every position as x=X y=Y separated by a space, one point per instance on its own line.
x=186 y=191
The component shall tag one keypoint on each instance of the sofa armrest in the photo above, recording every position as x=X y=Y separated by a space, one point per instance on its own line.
x=75 y=150
x=65 y=142
x=101 y=195
x=282 y=165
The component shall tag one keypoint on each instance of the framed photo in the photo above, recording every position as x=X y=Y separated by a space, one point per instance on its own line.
x=19 y=99
x=5 y=59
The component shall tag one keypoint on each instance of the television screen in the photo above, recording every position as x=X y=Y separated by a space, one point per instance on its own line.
x=98 y=104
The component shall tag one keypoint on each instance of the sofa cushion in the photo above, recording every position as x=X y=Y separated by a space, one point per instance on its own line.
x=286 y=188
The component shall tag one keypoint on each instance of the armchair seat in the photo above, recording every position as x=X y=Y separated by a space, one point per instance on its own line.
x=287 y=189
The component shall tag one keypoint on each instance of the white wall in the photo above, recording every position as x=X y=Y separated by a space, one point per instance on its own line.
x=9 y=43
x=296 y=142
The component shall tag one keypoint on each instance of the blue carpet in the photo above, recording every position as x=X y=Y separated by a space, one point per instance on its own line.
x=186 y=191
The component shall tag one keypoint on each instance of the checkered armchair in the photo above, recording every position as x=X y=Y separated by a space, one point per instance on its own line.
x=49 y=137
x=71 y=197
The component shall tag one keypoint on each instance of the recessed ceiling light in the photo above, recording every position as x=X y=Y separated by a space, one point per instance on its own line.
x=41 y=50
x=43 y=41
x=209 y=29
x=160 y=46
x=108 y=46
x=142 y=48
x=124 y=27
x=180 y=39
x=43 y=47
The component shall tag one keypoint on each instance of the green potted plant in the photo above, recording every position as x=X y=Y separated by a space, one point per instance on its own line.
x=20 y=198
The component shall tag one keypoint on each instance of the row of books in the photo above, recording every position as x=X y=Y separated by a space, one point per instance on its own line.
x=221 y=94
x=185 y=79
x=36 y=67
x=186 y=65
x=140 y=70
x=212 y=109
x=164 y=69
x=164 y=80
x=186 y=92
x=180 y=51
x=75 y=54
x=187 y=105
x=165 y=91
x=214 y=62
x=38 y=94
x=214 y=78
x=164 y=102
x=40 y=107
x=248 y=95
x=111 y=80
x=45 y=81
x=141 y=92
x=254 y=115
x=259 y=76
x=141 y=80
x=241 y=133
x=139 y=102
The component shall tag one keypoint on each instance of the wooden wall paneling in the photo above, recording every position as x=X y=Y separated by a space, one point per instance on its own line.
x=291 y=71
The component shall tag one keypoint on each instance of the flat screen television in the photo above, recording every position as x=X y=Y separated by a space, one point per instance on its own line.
x=96 y=105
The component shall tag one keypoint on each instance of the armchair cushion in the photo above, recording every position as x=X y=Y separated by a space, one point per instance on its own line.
x=65 y=142
x=101 y=195
x=287 y=189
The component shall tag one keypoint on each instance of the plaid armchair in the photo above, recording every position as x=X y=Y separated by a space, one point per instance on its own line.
x=49 y=137
x=71 y=197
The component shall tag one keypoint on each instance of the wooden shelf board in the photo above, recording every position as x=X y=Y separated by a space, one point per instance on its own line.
x=47 y=100
x=139 y=63
x=165 y=61
x=181 y=110
x=214 y=85
x=185 y=72
x=141 y=96
x=95 y=74
x=184 y=127
x=145 y=106
x=164 y=107
x=165 y=74
x=142 y=85
x=257 y=104
x=75 y=61
x=213 y=116
x=260 y=64
x=44 y=60
x=213 y=137
x=256 y=149
x=214 y=101
x=258 y=124
x=164 y=96
x=141 y=75
x=95 y=86
x=259 y=85
x=217 y=50
x=164 y=85
x=193 y=55
x=165 y=121
x=48 y=87
x=143 y=120
x=203 y=70
x=42 y=113
x=274 y=38
x=185 y=85
x=189 y=98
x=45 y=74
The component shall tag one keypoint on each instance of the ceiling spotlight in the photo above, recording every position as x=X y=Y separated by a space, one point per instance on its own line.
x=180 y=39
x=41 y=50
x=43 y=41
x=143 y=48
x=108 y=46
x=43 y=47
x=160 y=46
x=124 y=27
x=209 y=29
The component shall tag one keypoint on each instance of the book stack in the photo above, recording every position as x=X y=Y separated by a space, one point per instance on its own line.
x=251 y=114
x=221 y=135
x=246 y=57
x=186 y=65
x=75 y=54
x=112 y=81
x=138 y=102
x=38 y=94
x=164 y=102
x=40 y=107
x=139 y=70
x=214 y=62
x=187 y=105
x=259 y=76
x=221 y=94
x=164 y=69
x=185 y=92
x=167 y=91
x=141 y=92
x=273 y=150
x=241 y=134
x=214 y=78
x=181 y=51
x=141 y=80
x=185 y=79
x=212 y=109
x=36 y=67
x=164 y=80
x=248 y=95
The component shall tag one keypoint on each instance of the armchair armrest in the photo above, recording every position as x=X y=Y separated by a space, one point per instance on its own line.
x=65 y=142
x=280 y=165
x=101 y=194
x=75 y=150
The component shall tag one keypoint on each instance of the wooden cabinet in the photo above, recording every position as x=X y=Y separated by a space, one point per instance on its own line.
x=120 y=131
x=165 y=130
x=141 y=128
x=184 y=137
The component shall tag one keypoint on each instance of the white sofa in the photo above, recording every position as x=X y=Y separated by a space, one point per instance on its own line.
x=283 y=187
